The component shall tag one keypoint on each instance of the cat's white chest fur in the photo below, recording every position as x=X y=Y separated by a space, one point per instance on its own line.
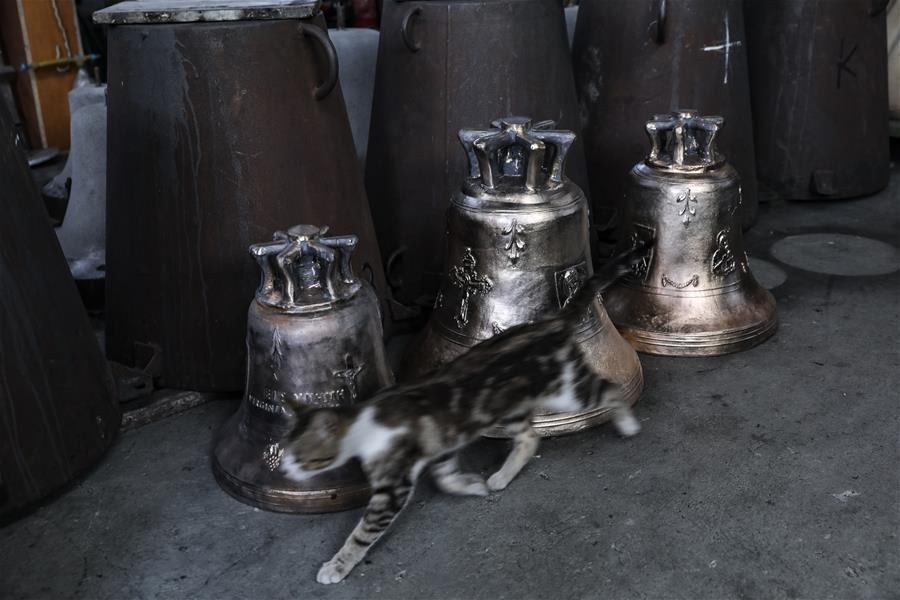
x=367 y=438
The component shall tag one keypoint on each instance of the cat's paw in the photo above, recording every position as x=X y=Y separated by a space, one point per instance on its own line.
x=332 y=572
x=473 y=485
x=463 y=484
x=497 y=482
x=627 y=426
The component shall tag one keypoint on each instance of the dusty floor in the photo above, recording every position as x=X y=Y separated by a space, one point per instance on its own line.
x=767 y=474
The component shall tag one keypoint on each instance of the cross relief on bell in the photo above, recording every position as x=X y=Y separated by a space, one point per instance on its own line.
x=470 y=283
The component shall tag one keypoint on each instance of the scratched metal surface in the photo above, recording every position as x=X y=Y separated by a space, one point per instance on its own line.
x=191 y=11
x=215 y=142
x=625 y=72
x=57 y=408
x=818 y=71
x=764 y=474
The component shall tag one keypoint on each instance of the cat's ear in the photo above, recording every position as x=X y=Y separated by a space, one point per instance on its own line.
x=326 y=421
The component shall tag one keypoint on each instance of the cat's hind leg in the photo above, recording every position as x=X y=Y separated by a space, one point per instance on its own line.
x=611 y=397
x=389 y=496
x=525 y=443
x=450 y=480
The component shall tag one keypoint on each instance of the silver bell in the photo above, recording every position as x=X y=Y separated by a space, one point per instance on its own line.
x=314 y=338
x=694 y=294
x=517 y=250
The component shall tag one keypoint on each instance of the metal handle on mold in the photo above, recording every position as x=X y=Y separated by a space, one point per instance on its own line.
x=659 y=35
x=394 y=280
x=405 y=32
x=331 y=78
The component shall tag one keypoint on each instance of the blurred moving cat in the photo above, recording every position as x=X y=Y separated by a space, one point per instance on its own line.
x=407 y=427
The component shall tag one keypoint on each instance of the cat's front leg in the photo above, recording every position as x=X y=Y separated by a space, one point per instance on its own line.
x=525 y=443
x=389 y=496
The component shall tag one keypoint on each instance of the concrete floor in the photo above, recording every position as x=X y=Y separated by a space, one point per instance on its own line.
x=772 y=473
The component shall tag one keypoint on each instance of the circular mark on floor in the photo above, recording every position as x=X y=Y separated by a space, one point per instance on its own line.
x=768 y=275
x=837 y=254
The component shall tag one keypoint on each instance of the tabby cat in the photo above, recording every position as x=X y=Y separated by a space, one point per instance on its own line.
x=406 y=427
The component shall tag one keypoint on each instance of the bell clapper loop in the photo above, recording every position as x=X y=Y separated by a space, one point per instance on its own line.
x=684 y=141
x=532 y=155
x=301 y=261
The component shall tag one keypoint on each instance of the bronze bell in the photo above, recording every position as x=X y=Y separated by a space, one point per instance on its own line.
x=694 y=294
x=314 y=337
x=517 y=249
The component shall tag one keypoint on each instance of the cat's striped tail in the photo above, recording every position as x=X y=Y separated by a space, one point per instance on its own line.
x=614 y=268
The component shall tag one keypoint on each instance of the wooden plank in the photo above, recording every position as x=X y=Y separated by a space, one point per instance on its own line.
x=31 y=33
x=11 y=30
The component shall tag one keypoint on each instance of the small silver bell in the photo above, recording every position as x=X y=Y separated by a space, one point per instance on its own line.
x=694 y=294
x=314 y=338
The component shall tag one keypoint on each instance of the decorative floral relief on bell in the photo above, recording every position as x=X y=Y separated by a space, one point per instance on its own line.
x=517 y=249
x=314 y=337
x=694 y=294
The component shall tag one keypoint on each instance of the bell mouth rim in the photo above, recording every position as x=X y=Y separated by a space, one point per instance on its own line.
x=709 y=343
x=330 y=499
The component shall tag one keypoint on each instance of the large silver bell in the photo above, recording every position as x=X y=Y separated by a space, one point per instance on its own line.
x=517 y=249
x=314 y=337
x=694 y=294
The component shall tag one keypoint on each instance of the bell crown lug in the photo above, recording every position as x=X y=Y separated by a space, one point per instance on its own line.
x=684 y=141
x=304 y=270
x=517 y=153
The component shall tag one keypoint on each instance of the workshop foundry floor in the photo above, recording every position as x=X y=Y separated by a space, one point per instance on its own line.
x=766 y=474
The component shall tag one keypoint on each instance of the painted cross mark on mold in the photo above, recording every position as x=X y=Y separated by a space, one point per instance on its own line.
x=725 y=48
x=843 y=61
